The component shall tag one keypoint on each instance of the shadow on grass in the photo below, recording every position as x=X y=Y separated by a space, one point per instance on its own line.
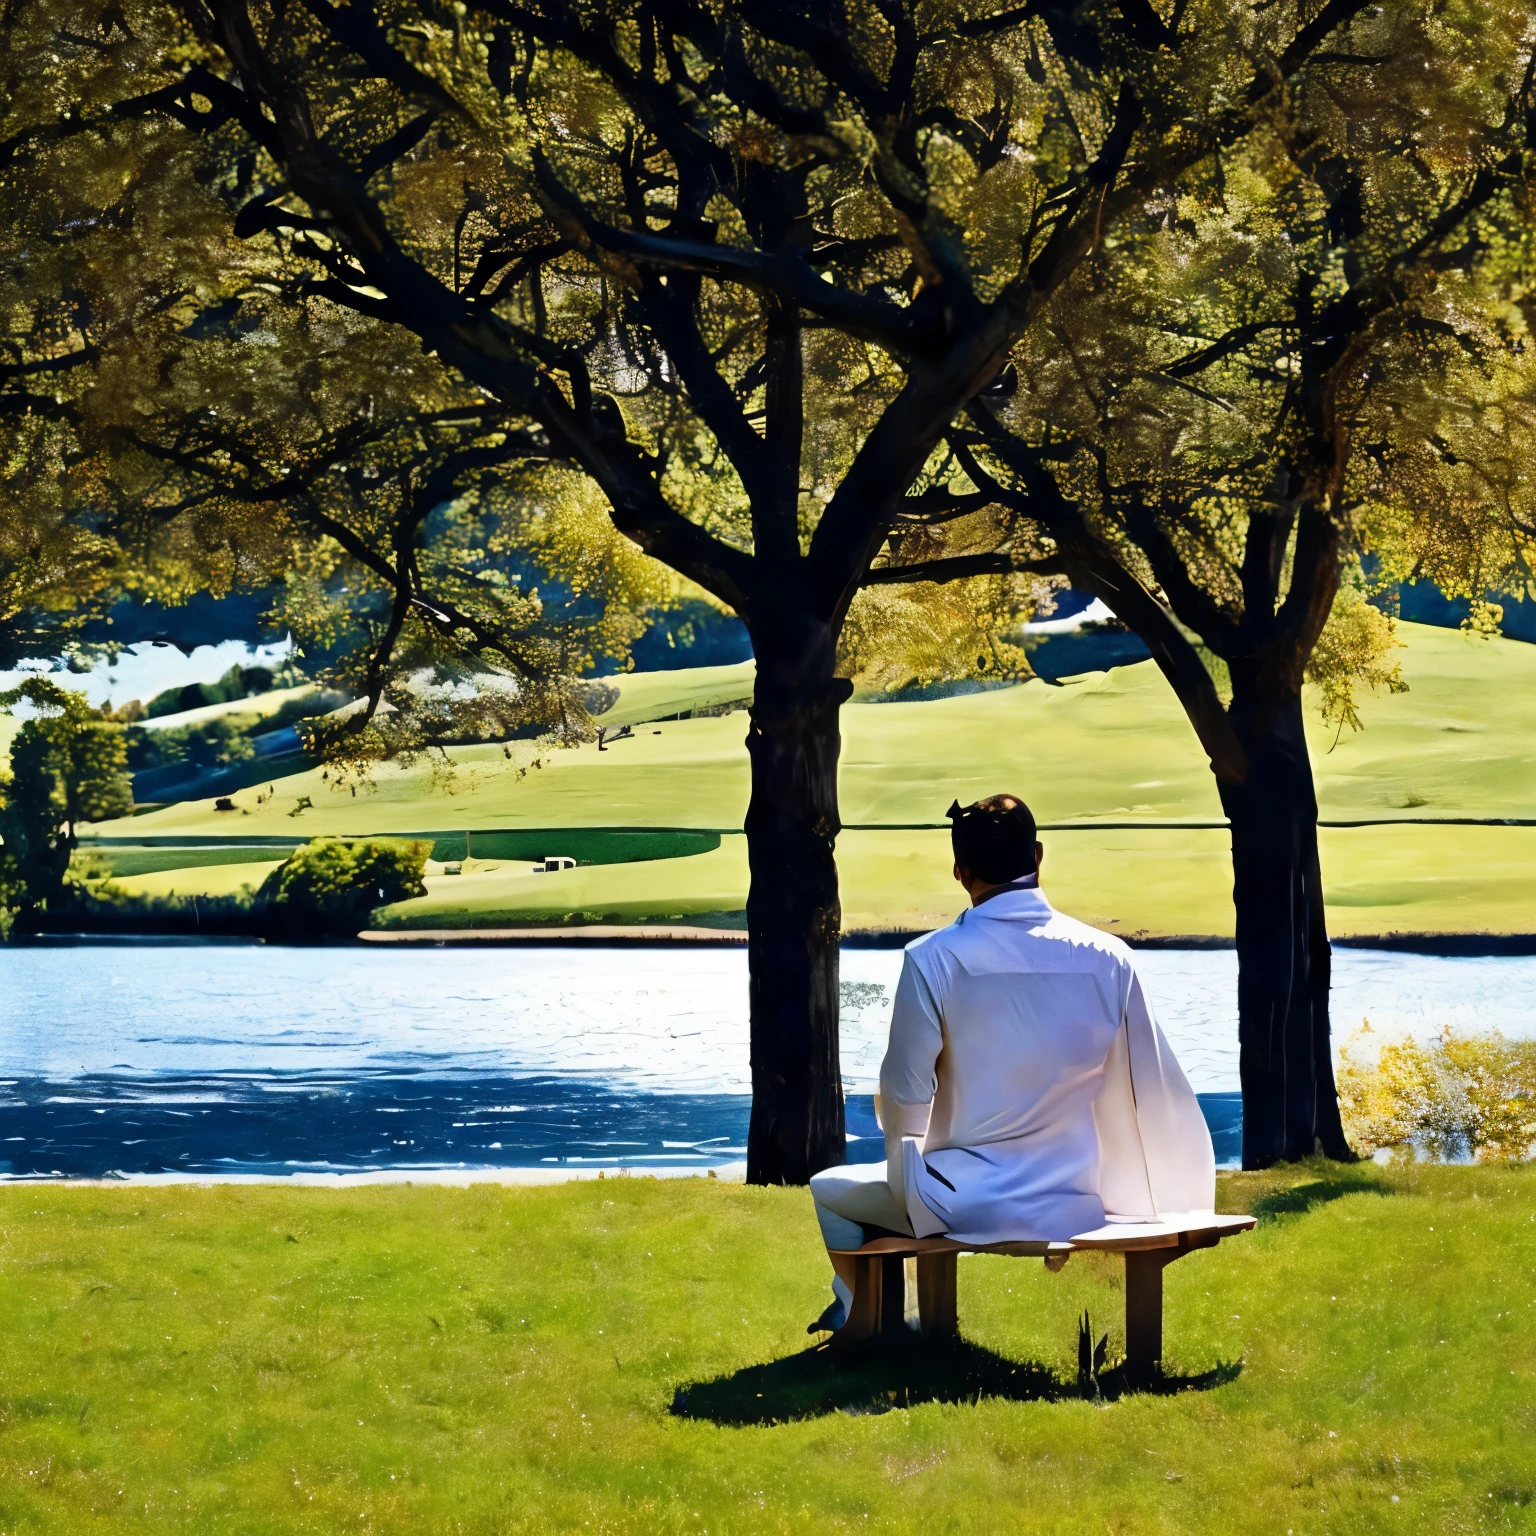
x=900 y=1370
x=1301 y=1198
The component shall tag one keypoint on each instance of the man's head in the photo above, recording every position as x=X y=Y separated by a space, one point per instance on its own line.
x=994 y=842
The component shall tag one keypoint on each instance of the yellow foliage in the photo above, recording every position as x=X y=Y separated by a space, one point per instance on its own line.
x=1459 y=1096
x=1357 y=645
x=904 y=636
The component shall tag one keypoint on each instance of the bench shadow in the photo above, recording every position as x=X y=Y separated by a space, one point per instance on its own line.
x=1301 y=1198
x=902 y=1370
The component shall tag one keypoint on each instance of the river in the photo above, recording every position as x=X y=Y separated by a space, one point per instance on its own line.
x=156 y=1060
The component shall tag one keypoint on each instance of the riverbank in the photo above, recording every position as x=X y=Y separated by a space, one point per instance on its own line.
x=673 y=936
x=597 y=934
x=630 y=1356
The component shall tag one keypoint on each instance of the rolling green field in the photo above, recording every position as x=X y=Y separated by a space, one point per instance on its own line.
x=1136 y=883
x=1104 y=748
x=630 y=1355
x=199 y=879
x=259 y=706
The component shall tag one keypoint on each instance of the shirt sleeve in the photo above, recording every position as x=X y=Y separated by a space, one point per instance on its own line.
x=909 y=1075
x=1181 y=1165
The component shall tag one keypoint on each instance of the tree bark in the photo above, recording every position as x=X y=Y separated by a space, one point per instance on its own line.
x=1290 y=1104
x=794 y=916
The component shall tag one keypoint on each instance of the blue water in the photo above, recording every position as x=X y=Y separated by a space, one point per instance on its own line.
x=244 y=1059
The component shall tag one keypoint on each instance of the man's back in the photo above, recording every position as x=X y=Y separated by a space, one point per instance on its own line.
x=1028 y=1034
x=1030 y=1004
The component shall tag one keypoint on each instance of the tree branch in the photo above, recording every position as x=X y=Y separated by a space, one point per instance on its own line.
x=789 y=279
x=1093 y=566
x=952 y=568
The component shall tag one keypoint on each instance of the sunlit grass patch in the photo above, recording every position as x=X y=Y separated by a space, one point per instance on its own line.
x=582 y=1357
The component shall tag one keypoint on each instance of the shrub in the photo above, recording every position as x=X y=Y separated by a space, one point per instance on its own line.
x=330 y=885
x=92 y=906
x=1459 y=1096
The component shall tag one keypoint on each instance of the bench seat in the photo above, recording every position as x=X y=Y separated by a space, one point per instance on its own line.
x=879 y=1290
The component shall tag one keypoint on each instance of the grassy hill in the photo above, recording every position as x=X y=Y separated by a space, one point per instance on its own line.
x=1105 y=748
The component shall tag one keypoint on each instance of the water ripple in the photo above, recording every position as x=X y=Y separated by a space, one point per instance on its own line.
x=271 y=1059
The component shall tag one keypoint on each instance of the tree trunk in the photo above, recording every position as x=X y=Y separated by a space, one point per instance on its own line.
x=1290 y=1104
x=794 y=916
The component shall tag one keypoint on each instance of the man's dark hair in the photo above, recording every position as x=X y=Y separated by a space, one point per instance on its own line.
x=994 y=840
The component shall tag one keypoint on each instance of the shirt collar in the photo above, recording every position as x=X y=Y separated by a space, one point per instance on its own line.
x=1030 y=882
x=1019 y=898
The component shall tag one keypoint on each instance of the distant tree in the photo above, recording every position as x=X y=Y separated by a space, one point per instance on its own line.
x=214 y=743
x=738 y=268
x=68 y=764
x=1319 y=352
x=235 y=684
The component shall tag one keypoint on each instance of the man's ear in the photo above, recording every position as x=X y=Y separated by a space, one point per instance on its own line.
x=1039 y=856
x=963 y=876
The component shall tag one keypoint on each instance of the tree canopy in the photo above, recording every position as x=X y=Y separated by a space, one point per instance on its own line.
x=737 y=267
x=810 y=302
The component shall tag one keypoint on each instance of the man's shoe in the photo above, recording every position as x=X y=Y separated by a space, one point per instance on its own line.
x=836 y=1314
x=832 y=1319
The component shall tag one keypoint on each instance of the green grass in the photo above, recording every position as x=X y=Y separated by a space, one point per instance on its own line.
x=500 y=1360
x=201 y=880
x=1138 y=883
x=647 y=696
x=583 y=844
x=149 y=861
x=1107 y=747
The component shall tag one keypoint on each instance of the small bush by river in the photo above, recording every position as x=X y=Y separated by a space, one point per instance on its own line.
x=330 y=885
x=326 y=888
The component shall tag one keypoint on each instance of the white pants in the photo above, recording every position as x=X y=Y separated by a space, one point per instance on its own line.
x=852 y=1197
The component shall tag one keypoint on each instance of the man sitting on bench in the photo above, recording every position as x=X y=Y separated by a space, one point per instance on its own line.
x=1027 y=1093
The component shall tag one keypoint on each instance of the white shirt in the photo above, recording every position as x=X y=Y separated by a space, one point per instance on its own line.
x=1023 y=1042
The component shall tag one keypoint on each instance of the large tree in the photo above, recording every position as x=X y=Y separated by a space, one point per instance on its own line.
x=1307 y=375
x=741 y=266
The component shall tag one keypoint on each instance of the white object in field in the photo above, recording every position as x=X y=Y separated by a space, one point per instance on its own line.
x=553 y=864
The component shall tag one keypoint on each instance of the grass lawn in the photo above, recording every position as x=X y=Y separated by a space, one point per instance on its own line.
x=496 y=1360
x=200 y=880
x=658 y=695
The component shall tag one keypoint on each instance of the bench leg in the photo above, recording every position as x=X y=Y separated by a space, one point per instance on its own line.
x=879 y=1298
x=893 y=1292
x=937 y=1307
x=864 y=1310
x=1144 y=1309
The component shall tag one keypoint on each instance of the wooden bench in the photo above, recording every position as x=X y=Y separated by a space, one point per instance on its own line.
x=879 y=1290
